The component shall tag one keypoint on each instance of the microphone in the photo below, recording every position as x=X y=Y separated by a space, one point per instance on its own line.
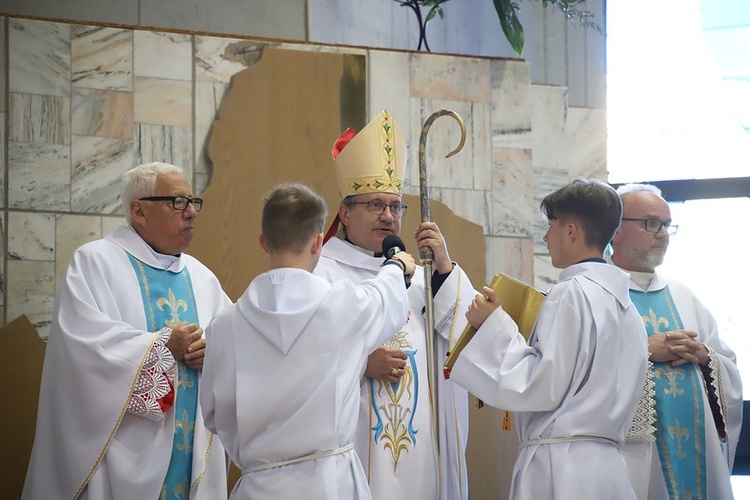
x=392 y=245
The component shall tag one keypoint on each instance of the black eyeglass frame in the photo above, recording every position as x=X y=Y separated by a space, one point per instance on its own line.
x=397 y=209
x=196 y=202
x=670 y=228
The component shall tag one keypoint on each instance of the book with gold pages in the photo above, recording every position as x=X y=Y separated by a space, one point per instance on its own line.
x=520 y=300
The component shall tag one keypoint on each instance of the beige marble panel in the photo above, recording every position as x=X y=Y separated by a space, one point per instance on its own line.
x=163 y=102
x=98 y=165
x=31 y=236
x=450 y=77
x=388 y=77
x=471 y=205
x=31 y=291
x=549 y=106
x=208 y=97
x=545 y=274
x=102 y=58
x=165 y=56
x=3 y=142
x=161 y=143
x=512 y=256
x=39 y=118
x=511 y=104
x=218 y=59
x=102 y=113
x=586 y=135
x=110 y=223
x=512 y=193
x=442 y=138
x=39 y=57
x=71 y=232
x=39 y=176
x=3 y=70
x=311 y=47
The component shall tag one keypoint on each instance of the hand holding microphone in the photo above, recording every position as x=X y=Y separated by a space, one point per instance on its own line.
x=394 y=248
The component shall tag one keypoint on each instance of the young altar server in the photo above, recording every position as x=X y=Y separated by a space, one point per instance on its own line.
x=575 y=386
x=281 y=379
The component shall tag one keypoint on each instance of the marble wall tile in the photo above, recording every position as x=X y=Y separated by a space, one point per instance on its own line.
x=102 y=58
x=98 y=165
x=545 y=274
x=3 y=69
x=39 y=118
x=72 y=231
x=163 y=102
x=586 y=136
x=208 y=97
x=388 y=77
x=511 y=109
x=310 y=47
x=549 y=106
x=161 y=143
x=512 y=193
x=39 y=57
x=3 y=143
x=102 y=113
x=546 y=180
x=471 y=205
x=450 y=77
x=165 y=56
x=481 y=145
x=39 y=176
x=31 y=291
x=31 y=236
x=219 y=59
x=512 y=256
x=110 y=223
x=443 y=137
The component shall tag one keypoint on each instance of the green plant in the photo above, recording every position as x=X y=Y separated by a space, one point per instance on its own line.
x=507 y=11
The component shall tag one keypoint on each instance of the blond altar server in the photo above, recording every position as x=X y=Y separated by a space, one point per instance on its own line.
x=281 y=377
x=576 y=384
x=118 y=407
x=395 y=436
x=688 y=449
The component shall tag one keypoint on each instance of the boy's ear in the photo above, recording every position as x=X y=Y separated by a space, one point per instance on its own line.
x=317 y=243
x=262 y=242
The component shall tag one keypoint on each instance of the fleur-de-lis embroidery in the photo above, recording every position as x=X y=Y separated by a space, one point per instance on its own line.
x=679 y=433
x=174 y=305
x=185 y=425
x=653 y=321
x=671 y=373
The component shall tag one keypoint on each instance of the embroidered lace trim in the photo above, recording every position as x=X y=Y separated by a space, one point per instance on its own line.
x=643 y=427
x=152 y=382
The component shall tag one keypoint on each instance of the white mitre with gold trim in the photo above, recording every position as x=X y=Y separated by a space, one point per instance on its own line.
x=371 y=161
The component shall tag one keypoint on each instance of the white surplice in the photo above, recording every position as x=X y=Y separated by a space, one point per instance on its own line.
x=281 y=379
x=86 y=443
x=395 y=437
x=643 y=457
x=580 y=376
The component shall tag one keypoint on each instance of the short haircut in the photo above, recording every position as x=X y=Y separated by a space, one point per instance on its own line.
x=140 y=182
x=292 y=214
x=638 y=188
x=593 y=204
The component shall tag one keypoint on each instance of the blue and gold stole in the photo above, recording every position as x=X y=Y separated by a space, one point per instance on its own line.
x=168 y=301
x=680 y=431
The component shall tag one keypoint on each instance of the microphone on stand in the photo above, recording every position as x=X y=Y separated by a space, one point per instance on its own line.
x=392 y=245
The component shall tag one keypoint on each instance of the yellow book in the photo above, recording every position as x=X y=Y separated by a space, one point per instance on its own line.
x=520 y=300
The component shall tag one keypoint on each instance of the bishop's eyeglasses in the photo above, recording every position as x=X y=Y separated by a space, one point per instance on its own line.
x=377 y=207
x=178 y=202
x=655 y=225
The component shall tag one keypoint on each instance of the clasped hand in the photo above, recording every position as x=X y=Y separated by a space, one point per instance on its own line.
x=187 y=344
x=679 y=347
